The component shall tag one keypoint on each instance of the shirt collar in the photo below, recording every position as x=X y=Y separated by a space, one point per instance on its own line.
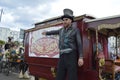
x=68 y=28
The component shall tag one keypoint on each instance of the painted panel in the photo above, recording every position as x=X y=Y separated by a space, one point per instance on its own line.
x=44 y=46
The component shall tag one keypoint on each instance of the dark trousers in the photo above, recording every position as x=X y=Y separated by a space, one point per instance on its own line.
x=67 y=67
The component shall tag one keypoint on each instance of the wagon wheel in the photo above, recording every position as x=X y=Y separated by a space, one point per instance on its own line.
x=6 y=72
x=7 y=69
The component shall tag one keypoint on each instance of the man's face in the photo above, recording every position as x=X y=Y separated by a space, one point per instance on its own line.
x=66 y=22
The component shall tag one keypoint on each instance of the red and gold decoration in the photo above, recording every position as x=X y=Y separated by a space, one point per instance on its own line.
x=46 y=46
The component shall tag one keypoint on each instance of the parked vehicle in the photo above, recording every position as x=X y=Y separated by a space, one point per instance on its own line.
x=42 y=53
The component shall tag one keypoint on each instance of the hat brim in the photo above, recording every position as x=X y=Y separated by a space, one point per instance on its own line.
x=67 y=16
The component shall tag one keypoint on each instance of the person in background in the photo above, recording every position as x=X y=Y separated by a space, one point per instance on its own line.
x=1 y=57
x=8 y=44
x=1 y=52
x=113 y=56
x=13 y=52
x=118 y=56
x=70 y=46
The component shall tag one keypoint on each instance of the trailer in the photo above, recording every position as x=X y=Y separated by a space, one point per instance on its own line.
x=42 y=53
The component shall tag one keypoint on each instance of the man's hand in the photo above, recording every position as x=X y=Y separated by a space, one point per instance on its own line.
x=80 y=62
x=43 y=33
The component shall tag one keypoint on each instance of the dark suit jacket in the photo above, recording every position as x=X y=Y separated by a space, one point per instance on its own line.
x=69 y=38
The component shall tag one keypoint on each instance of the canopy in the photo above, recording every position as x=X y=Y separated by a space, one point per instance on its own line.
x=109 y=29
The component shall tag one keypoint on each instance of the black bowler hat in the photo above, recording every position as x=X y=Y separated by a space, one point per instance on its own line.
x=68 y=13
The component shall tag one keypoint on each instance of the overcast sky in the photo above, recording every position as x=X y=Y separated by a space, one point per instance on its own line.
x=24 y=13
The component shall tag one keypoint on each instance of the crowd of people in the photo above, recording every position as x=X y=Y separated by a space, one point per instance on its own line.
x=14 y=53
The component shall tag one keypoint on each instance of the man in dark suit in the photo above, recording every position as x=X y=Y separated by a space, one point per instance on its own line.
x=71 y=52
